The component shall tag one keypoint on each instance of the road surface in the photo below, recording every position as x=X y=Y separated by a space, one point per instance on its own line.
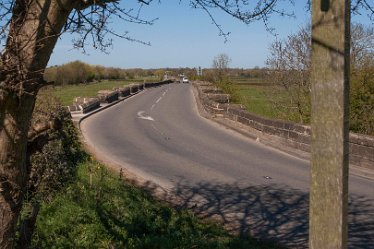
x=253 y=189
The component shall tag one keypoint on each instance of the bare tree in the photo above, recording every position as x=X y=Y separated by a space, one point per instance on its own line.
x=362 y=46
x=221 y=65
x=289 y=61
x=221 y=62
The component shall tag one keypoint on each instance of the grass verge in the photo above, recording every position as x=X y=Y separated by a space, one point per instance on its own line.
x=99 y=210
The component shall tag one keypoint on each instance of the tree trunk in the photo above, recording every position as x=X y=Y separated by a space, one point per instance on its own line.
x=33 y=31
x=27 y=228
x=15 y=115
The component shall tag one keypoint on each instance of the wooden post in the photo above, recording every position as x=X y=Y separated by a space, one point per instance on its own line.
x=329 y=162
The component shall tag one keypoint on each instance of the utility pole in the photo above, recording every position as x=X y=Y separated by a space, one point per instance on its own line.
x=328 y=227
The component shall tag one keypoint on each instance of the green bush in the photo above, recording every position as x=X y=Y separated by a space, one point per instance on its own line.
x=54 y=153
x=362 y=101
x=230 y=88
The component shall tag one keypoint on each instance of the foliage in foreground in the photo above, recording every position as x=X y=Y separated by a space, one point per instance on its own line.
x=53 y=153
x=101 y=211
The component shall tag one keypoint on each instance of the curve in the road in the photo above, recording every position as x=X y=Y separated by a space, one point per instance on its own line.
x=254 y=189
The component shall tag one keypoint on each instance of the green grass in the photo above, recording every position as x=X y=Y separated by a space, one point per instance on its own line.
x=109 y=213
x=255 y=100
x=253 y=94
x=259 y=97
x=66 y=94
x=248 y=81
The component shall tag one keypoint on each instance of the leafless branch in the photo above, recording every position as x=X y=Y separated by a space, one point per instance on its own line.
x=244 y=10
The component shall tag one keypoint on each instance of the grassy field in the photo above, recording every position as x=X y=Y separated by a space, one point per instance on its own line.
x=66 y=94
x=253 y=94
x=246 y=81
x=254 y=99
x=99 y=210
x=259 y=97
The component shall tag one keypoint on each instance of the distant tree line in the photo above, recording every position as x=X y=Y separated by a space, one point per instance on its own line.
x=77 y=72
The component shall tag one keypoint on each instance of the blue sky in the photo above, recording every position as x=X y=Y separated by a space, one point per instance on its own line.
x=185 y=37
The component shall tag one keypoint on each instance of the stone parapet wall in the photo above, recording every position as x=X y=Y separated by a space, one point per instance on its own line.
x=123 y=91
x=90 y=105
x=107 y=96
x=85 y=105
x=361 y=150
x=134 y=88
x=278 y=133
x=155 y=84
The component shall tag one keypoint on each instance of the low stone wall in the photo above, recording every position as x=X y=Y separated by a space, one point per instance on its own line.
x=361 y=150
x=107 y=96
x=278 y=133
x=91 y=105
x=155 y=84
x=85 y=105
x=134 y=88
x=123 y=91
x=72 y=108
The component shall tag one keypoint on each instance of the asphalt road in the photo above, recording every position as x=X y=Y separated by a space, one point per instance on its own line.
x=252 y=188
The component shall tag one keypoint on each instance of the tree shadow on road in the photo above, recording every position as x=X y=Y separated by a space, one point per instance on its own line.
x=271 y=212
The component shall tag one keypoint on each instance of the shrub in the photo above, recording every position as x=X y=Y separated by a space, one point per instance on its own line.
x=362 y=101
x=52 y=155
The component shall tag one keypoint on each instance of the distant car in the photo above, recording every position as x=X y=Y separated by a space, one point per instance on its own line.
x=185 y=80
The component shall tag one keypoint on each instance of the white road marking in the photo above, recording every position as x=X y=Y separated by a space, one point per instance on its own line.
x=141 y=116
x=159 y=99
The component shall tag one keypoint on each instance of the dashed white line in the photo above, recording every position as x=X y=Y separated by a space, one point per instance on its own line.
x=159 y=99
